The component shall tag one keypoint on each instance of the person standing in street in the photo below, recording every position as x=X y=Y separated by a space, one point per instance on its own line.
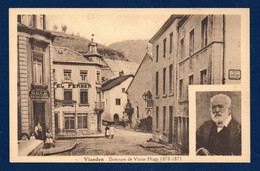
x=112 y=131
x=107 y=131
x=38 y=131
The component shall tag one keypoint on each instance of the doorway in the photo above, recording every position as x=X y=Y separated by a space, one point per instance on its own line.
x=56 y=118
x=170 y=124
x=116 y=119
x=99 y=122
x=38 y=114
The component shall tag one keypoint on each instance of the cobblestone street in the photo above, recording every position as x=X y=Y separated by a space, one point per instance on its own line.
x=125 y=142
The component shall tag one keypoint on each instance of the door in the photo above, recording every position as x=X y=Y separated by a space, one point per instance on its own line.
x=99 y=122
x=56 y=118
x=116 y=119
x=38 y=113
x=170 y=124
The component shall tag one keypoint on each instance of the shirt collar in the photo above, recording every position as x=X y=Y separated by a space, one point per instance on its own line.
x=226 y=122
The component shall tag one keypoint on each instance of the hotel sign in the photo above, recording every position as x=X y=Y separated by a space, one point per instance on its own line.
x=71 y=85
x=39 y=94
x=234 y=74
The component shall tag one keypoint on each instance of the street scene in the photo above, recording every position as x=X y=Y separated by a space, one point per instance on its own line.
x=117 y=83
x=125 y=142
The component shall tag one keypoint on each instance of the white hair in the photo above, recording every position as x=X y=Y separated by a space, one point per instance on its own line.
x=228 y=99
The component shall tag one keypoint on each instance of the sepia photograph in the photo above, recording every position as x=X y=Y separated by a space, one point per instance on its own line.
x=112 y=85
x=218 y=123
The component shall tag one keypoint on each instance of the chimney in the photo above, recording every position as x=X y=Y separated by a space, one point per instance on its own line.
x=121 y=73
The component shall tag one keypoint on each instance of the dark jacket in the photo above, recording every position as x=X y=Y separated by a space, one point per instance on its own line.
x=204 y=131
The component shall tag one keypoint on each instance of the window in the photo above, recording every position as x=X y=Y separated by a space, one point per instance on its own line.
x=118 y=102
x=67 y=74
x=54 y=75
x=24 y=19
x=204 y=32
x=84 y=75
x=175 y=129
x=191 y=80
x=82 y=120
x=181 y=88
x=171 y=41
x=191 y=49
x=170 y=78
x=41 y=21
x=137 y=112
x=157 y=53
x=157 y=83
x=34 y=21
x=98 y=76
x=30 y=20
x=157 y=117
x=123 y=90
x=69 y=121
x=37 y=68
x=164 y=79
x=182 y=48
x=164 y=118
x=164 y=47
x=203 y=77
x=149 y=103
x=67 y=94
x=83 y=96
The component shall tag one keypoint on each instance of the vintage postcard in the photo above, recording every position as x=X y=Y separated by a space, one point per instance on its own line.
x=129 y=85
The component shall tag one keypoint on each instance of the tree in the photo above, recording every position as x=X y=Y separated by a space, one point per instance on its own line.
x=64 y=28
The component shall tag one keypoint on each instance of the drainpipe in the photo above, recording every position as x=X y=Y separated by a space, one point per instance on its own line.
x=223 y=62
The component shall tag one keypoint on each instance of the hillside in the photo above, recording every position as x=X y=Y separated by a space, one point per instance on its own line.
x=80 y=43
x=134 y=50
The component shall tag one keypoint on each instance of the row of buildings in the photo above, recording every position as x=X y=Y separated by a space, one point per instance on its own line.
x=190 y=50
x=187 y=50
x=71 y=92
x=61 y=88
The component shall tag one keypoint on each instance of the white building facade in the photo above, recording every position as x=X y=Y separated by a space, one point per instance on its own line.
x=115 y=98
x=77 y=85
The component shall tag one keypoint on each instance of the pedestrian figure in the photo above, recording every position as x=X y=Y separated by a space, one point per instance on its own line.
x=32 y=137
x=107 y=131
x=38 y=131
x=49 y=141
x=25 y=136
x=112 y=131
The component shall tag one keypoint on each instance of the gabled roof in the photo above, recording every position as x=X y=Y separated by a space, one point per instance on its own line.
x=115 y=82
x=146 y=55
x=165 y=26
x=87 y=53
x=67 y=55
x=116 y=66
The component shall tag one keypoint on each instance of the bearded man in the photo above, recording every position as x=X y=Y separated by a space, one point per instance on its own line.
x=222 y=134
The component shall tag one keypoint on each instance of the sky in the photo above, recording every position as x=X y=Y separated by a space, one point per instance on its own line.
x=110 y=25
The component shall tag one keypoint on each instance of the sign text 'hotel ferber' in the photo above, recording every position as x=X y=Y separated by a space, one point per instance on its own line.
x=71 y=85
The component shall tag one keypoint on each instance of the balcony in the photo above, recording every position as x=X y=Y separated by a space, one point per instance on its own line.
x=99 y=107
x=62 y=103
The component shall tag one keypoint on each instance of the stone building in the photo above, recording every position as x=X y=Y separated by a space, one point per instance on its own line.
x=139 y=91
x=34 y=74
x=165 y=48
x=77 y=84
x=207 y=51
x=115 y=98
